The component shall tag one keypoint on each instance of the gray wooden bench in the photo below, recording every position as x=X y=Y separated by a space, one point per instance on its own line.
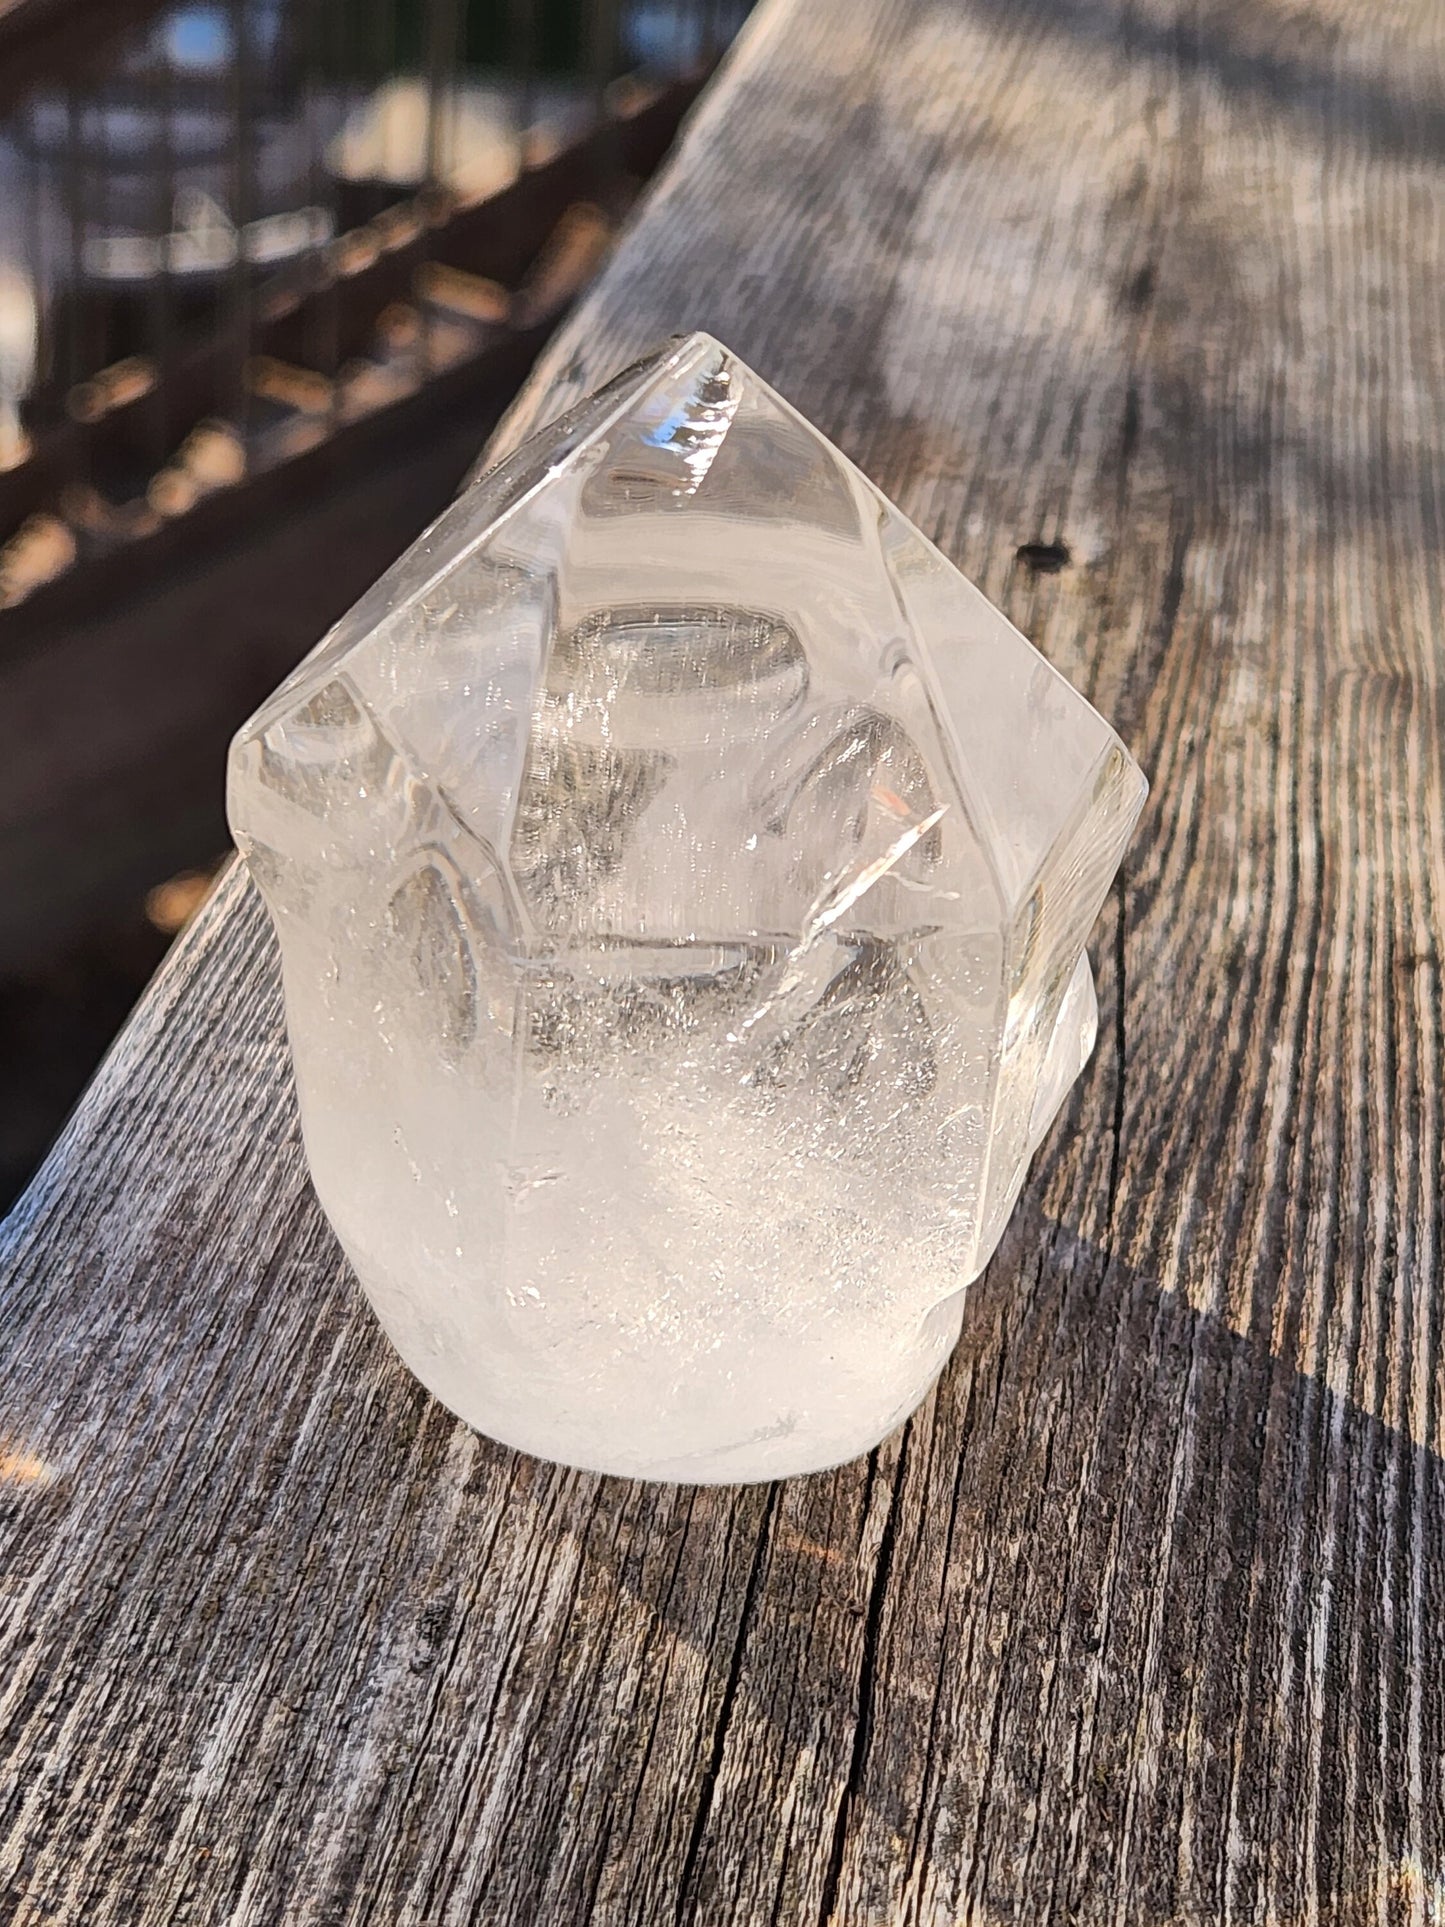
x=1135 y=308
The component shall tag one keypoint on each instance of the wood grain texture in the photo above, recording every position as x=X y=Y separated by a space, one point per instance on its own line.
x=1139 y=1619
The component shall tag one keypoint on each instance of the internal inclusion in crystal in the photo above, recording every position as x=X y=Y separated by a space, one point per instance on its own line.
x=682 y=877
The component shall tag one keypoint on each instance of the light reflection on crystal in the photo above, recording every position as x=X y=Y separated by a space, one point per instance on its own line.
x=682 y=876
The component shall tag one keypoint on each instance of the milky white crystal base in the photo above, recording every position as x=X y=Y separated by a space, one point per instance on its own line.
x=680 y=1279
x=682 y=877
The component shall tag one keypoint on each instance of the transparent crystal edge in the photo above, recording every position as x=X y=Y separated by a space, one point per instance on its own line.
x=373 y=608
x=1086 y=805
x=877 y=495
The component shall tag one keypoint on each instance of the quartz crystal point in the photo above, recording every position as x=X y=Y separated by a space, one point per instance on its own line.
x=682 y=876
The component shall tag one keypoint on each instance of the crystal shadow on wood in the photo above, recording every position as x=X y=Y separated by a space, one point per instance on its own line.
x=682 y=875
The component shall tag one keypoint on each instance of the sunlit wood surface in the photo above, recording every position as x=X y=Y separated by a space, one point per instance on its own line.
x=1140 y=1619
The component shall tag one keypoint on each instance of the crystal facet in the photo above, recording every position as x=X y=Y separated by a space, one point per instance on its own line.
x=682 y=875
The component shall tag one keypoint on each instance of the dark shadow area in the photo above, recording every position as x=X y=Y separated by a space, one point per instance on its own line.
x=56 y=1022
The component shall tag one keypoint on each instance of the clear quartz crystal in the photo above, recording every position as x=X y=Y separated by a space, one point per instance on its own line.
x=682 y=875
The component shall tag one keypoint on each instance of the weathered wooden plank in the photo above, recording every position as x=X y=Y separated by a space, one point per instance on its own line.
x=1138 y=1619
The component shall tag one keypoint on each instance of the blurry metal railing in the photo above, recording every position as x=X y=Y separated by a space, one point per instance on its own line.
x=232 y=230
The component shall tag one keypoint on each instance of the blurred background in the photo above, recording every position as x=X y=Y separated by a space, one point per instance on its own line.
x=270 y=270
